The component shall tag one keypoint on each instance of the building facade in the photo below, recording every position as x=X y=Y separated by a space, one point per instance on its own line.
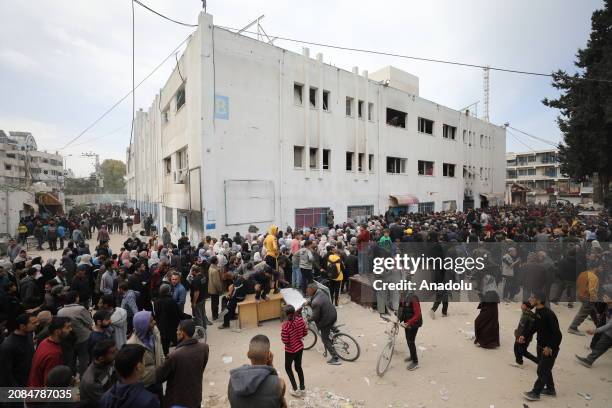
x=246 y=133
x=30 y=180
x=539 y=179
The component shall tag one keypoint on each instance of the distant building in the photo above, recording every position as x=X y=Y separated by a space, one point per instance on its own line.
x=247 y=133
x=535 y=178
x=31 y=181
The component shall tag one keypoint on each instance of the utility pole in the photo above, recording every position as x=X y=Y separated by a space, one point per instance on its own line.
x=97 y=171
x=486 y=92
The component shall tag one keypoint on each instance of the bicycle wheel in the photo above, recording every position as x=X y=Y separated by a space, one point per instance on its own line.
x=310 y=339
x=384 y=359
x=346 y=347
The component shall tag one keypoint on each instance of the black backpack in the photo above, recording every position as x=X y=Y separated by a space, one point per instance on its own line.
x=332 y=270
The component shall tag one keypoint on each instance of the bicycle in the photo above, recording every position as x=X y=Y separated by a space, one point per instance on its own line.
x=344 y=344
x=384 y=359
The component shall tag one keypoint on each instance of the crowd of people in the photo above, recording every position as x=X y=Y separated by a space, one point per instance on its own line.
x=111 y=317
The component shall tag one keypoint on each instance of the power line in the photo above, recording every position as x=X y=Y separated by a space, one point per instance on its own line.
x=520 y=141
x=112 y=132
x=109 y=110
x=133 y=73
x=392 y=54
x=163 y=16
x=534 y=137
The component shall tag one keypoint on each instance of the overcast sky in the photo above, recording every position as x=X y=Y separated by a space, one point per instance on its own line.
x=64 y=62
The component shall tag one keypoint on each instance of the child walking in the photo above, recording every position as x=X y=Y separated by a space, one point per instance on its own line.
x=293 y=331
x=524 y=334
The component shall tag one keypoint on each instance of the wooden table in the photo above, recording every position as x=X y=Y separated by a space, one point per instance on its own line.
x=361 y=290
x=251 y=312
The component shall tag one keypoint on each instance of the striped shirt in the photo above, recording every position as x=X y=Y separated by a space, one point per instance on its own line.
x=292 y=333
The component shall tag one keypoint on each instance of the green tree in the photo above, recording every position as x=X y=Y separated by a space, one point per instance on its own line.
x=80 y=185
x=585 y=106
x=113 y=172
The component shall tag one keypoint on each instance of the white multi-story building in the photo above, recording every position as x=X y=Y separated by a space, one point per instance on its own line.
x=538 y=172
x=246 y=133
x=29 y=179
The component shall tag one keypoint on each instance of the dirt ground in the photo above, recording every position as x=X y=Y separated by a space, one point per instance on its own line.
x=453 y=372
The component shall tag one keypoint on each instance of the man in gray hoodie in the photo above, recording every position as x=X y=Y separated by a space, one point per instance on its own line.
x=257 y=385
x=81 y=325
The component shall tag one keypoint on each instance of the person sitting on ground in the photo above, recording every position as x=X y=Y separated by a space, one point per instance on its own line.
x=257 y=384
x=129 y=391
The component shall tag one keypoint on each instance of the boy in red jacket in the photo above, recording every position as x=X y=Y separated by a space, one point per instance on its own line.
x=293 y=331
x=410 y=309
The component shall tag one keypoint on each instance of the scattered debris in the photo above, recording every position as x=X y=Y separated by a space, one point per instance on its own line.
x=585 y=395
x=481 y=378
x=227 y=359
x=421 y=348
x=367 y=380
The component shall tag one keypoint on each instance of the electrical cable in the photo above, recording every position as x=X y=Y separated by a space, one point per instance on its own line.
x=163 y=16
x=520 y=141
x=392 y=54
x=109 y=110
x=535 y=137
x=133 y=76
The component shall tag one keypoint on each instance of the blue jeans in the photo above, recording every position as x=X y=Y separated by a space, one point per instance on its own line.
x=296 y=277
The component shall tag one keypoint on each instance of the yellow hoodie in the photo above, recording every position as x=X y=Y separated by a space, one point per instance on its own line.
x=271 y=243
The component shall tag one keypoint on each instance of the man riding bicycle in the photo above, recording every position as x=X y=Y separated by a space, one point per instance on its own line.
x=324 y=315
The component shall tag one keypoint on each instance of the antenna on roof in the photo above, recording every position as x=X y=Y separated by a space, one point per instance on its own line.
x=261 y=33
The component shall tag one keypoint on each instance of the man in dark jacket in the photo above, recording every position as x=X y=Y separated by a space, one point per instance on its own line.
x=258 y=384
x=184 y=369
x=100 y=375
x=549 y=340
x=16 y=353
x=324 y=315
x=167 y=316
x=129 y=392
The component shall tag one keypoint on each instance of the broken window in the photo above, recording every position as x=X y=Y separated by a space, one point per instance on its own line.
x=298 y=156
x=396 y=165
x=448 y=170
x=326 y=100
x=349 y=106
x=426 y=168
x=360 y=109
x=448 y=132
x=297 y=93
x=326 y=159
x=313 y=157
x=349 y=161
x=312 y=95
x=360 y=158
x=370 y=162
x=165 y=116
x=7 y=167
x=396 y=118
x=370 y=110
x=426 y=126
x=180 y=97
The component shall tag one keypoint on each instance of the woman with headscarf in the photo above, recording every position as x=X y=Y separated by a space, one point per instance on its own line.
x=48 y=271
x=147 y=335
x=487 y=323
